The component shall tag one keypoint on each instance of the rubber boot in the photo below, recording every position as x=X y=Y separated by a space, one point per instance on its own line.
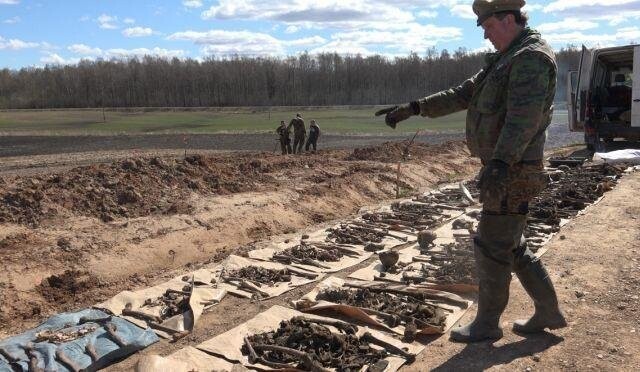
x=498 y=238
x=536 y=282
x=494 y=279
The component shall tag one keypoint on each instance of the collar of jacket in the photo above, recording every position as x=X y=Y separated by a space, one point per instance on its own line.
x=527 y=34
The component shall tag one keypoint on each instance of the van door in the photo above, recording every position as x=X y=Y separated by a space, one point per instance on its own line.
x=578 y=106
x=635 y=103
x=572 y=116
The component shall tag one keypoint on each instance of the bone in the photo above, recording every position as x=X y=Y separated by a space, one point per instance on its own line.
x=368 y=337
x=113 y=335
x=66 y=361
x=91 y=350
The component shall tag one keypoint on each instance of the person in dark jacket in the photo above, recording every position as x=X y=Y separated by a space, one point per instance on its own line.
x=285 y=138
x=314 y=134
x=299 y=133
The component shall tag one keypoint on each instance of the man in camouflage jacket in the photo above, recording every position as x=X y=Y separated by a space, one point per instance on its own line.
x=299 y=133
x=284 y=135
x=509 y=106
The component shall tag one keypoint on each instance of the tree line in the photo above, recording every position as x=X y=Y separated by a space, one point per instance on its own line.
x=303 y=80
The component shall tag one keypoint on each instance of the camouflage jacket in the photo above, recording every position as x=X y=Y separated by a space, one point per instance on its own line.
x=509 y=102
x=283 y=131
x=298 y=127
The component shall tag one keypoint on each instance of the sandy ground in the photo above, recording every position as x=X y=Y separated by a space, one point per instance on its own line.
x=593 y=261
x=90 y=227
x=595 y=274
x=594 y=264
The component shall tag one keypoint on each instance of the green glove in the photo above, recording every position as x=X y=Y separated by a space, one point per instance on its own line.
x=396 y=114
x=493 y=181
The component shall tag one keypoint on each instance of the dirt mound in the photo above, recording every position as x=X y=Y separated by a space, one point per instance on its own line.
x=131 y=188
x=389 y=152
x=65 y=287
x=140 y=187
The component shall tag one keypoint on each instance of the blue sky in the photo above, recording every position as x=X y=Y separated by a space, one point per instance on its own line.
x=39 y=32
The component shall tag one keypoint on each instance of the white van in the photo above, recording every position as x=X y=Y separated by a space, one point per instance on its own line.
x=603 y=96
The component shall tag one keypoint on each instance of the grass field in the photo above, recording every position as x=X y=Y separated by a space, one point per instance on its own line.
x=331 y=120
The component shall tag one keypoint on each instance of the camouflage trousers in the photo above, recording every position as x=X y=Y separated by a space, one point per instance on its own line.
x=298 y=142
x=502 y=223
x=524 y=182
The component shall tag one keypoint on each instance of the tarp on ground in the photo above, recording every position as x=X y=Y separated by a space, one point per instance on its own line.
x=188 y=359
x=206 y=293
x=47 y=340
x=409 y=259
x=631 y=156
x=229 y=344
x=452 y=311
x=359 y=255
x=298 y=277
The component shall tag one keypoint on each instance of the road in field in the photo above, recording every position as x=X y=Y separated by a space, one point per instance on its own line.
x=26 y=145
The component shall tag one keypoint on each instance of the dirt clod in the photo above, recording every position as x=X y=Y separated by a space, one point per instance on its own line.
x=64 y=287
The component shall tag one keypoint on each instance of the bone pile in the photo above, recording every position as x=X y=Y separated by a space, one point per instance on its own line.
x=310 y=345
x=571 y=191
x=352 y=234
x=313 y=253
x=394 y=309
x=455 y=264
x=260 y=275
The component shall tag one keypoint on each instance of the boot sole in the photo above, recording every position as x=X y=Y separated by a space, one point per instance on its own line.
x=469 y=340
x=523 y=330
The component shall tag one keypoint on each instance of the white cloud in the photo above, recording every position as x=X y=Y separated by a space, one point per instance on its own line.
x=417 y=39
x=141 y=52
x=427 y=14
x=84 y=50
x=192 y=3
x=463 y=11
x=129 y=21
x=9 y=2
x=342 y=47
x=562 y=5
x=624 y=35
x=614 y=12
x=137 y=32
x=574 y=24
x=107 y=22
x=88 y=52
x=55 y=59
x=485 y=48
x=45 y=46
x=12 y=20
x=307 y=41
x=292 y=29
x=222 y=42
x=16 y=44
x=247 y=43
x=84 y=18
x=343 y=14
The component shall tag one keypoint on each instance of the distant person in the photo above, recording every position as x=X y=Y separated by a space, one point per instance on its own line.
x=299 y=133
x=284 y=135
x=509 y=106
x=314 y=134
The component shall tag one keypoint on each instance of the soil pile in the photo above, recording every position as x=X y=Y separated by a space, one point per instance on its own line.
x=135 y=187
x=139 y=187
x=65 y=287
x=390 y=152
